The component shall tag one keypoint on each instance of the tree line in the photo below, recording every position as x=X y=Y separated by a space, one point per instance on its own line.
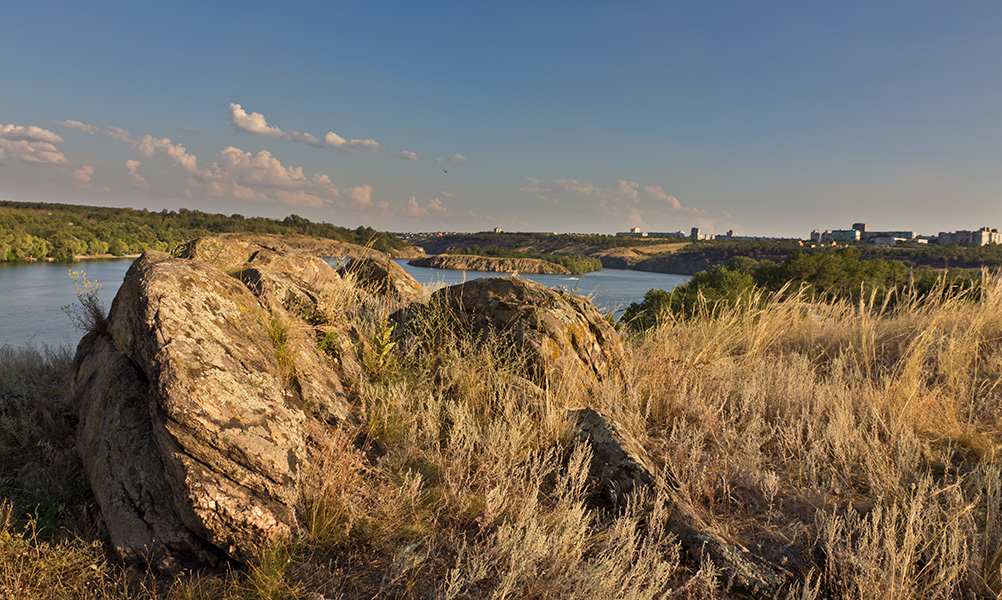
x=825 y=276
x=31 y=231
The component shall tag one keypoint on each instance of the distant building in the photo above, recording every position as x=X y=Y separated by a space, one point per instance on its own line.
x=633 y=232
x=980 y=237
x=497 y=230
x=731 y=237
x=836 y=235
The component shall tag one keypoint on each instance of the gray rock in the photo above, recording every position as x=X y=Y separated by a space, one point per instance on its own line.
x=115 y=444
x=386 y=279
x=227 y=424
x=563 y=336
x=619 y=465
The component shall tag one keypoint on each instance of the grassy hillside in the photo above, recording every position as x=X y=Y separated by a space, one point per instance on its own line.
x=61 y=231
x=854 y=445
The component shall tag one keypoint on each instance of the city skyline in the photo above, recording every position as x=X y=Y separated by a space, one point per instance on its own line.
x=771 y=119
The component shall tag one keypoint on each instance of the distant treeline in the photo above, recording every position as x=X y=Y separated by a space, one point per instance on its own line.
x=576 y=263
x=835 y=274
x=540 y=242
x=61 y=231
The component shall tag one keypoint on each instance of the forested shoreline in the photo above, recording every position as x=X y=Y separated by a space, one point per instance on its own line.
x=49 y=231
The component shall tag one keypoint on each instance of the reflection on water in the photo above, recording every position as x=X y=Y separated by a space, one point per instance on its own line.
x=32 y=295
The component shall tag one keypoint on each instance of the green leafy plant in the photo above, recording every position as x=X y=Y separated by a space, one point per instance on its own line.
x=384 y=343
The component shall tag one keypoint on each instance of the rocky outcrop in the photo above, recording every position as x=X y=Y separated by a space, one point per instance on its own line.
x=564 y=338
x=206 y=392
x=464 y=262
x=384 y=278
x=307 y=245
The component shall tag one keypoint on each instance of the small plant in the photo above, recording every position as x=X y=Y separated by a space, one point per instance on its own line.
x=328 y=344
x=88 y=314
x=280 y=339
x=384 y=342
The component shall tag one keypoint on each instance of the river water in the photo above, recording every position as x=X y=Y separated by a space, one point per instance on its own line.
x=32 y=295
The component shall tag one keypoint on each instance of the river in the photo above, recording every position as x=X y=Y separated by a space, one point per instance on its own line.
x=32 y=295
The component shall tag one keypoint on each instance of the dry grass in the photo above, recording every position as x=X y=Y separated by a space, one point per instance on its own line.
x=853 y=445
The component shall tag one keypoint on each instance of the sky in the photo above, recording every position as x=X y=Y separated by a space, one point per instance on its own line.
x=769 y=118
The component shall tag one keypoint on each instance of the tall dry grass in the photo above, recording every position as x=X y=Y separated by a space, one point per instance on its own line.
x=853 y=445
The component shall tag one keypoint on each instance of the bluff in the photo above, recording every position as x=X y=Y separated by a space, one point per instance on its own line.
x=466 y=262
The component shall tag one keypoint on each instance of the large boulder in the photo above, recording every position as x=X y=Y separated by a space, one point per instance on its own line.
x=384 y=278
x=565 y=339
x=211 y=370
x=114 y=440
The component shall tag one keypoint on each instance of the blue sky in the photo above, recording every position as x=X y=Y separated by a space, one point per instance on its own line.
x=768 y=118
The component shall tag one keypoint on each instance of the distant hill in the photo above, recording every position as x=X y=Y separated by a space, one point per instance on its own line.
x=683 y=256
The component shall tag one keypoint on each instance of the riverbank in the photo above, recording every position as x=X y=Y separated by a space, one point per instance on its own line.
x=80 y=257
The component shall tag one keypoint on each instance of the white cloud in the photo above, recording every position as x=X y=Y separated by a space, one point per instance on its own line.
x=585 y=188
x=18 y=133
x=335 y=141
x=455 y=158
x=623 y=202
x=83 y=174
x=262 y=177
x=303 y=138
x=671 y=201
x=251 y=123
x=91 y=129
x=117 y=133
x=434 y=208
x=149 y=145
x=254 y=122
x=30 y=145
x=408 y=155
x=132 y=166
x=32 y=153
x=190 y=127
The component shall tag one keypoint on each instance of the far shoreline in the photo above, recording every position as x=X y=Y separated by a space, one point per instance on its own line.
x=81 y=257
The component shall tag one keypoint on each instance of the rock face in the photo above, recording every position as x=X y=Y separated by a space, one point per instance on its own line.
x=565 y=339
x=115 y=442
x=384 y=278
x=463 y=262
x=195 y=409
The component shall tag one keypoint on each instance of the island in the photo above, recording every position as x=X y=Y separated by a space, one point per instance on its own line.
x=467 y=262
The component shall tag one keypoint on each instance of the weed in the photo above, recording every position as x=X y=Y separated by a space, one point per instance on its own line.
x=285 y=355
x=88 y=315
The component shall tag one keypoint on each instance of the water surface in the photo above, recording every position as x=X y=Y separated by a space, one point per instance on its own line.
x=32 y=295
